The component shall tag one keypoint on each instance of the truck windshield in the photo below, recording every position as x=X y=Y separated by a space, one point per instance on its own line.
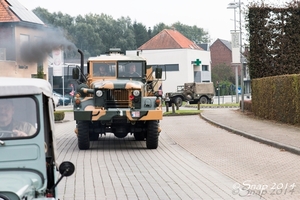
x=18 y=117
x=130 y=69
x=104 y=69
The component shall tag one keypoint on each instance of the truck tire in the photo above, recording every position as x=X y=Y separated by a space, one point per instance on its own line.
x=152 y=134
x=203 y=100
x=83 y=135
x=178 y=101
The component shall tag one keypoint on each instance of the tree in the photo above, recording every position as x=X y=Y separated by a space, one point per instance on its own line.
x=222 y=72
x=141 y=34
x=94 y=34
x=197 y=35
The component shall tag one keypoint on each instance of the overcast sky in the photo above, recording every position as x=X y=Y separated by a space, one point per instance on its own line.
x=211 y=15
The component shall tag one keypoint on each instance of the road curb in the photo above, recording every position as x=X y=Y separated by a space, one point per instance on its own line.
x=254 y=137
x=220 y=106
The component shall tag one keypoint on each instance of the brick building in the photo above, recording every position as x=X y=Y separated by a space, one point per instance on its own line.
x=221 y=53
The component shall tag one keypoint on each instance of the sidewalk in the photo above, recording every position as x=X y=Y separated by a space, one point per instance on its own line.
x=282 y=136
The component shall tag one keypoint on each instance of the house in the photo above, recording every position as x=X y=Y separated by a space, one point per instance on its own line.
x=183 y=59
x=221 y=53
x=19 y=26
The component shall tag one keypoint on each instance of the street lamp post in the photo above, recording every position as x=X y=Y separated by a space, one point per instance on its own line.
x=241 y=58
x=235 y=5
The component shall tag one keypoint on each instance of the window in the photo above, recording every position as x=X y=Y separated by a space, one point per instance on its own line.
x=23 y=39
x=204 y=67
x=130 y=69
x=168 y=67
x=104 y=69
x=18 y=117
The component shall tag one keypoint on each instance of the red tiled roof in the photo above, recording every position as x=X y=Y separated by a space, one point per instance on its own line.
x=6 y=15
x=169 y=39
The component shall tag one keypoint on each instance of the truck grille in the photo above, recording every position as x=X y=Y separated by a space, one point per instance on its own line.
x=117 y=99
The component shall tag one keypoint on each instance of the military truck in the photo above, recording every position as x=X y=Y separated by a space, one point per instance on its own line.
x=28 y=163
x=116 y=101
x=193 y=93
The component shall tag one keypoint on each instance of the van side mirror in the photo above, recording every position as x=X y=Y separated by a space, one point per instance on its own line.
x=75 y=73
x=158 y=73
x=66 y=168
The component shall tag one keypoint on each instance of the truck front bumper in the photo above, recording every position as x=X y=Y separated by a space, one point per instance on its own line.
x=106 y=115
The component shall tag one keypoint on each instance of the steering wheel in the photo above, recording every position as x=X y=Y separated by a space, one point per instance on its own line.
x=6 y=133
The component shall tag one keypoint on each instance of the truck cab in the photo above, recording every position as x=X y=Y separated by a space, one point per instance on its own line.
x=120 y=95
x=28 y=163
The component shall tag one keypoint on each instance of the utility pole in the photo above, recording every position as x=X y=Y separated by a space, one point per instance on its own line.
x=241 y=58
x=234 y=45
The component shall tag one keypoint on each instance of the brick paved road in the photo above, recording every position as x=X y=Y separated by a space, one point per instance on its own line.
x=213 y=163
x=243 y=160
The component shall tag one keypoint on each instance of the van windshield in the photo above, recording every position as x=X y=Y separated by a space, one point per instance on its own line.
x=18 y=117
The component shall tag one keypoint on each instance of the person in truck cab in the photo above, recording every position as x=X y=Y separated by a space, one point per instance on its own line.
x=7 y=123
x=131 y=72
x=102 y=70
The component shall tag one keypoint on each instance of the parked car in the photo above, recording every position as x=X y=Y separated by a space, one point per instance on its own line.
x=63 y=100
x=56 y=100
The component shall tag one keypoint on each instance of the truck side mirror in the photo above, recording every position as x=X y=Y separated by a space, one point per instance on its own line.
x=75 y=73
x=158 y=73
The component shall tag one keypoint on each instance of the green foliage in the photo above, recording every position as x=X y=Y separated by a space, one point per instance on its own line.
x=274 y=40
x=141 y=34
x=59 y=115
x=94 y=34
x=222 y=72
x=224 y=75
x=182 y=112
x=195 y=34
x=277 y=98
x=40 y=72
x=225 y=88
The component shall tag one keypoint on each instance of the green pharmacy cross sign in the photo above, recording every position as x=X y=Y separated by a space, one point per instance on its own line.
x=197 y=62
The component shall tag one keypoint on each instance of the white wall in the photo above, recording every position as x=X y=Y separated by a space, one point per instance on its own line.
x=182 y=57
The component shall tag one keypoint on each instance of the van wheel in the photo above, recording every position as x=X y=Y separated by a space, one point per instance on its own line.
x=152 y=134
x=203 y=100
x=83 y=135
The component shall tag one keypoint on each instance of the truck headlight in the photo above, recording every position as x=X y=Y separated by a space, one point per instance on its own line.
x=136 y=93
x=99 y=93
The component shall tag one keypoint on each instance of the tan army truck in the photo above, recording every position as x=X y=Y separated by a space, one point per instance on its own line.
x=193 y=93
x=119 y=95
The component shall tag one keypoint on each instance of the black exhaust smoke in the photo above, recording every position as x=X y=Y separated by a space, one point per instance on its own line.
x=37 y=51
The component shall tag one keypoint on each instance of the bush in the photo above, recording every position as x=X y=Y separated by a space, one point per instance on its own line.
x=59 y=115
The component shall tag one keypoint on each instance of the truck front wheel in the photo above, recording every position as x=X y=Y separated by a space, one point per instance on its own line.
x=83 y=135
x=152 y=134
